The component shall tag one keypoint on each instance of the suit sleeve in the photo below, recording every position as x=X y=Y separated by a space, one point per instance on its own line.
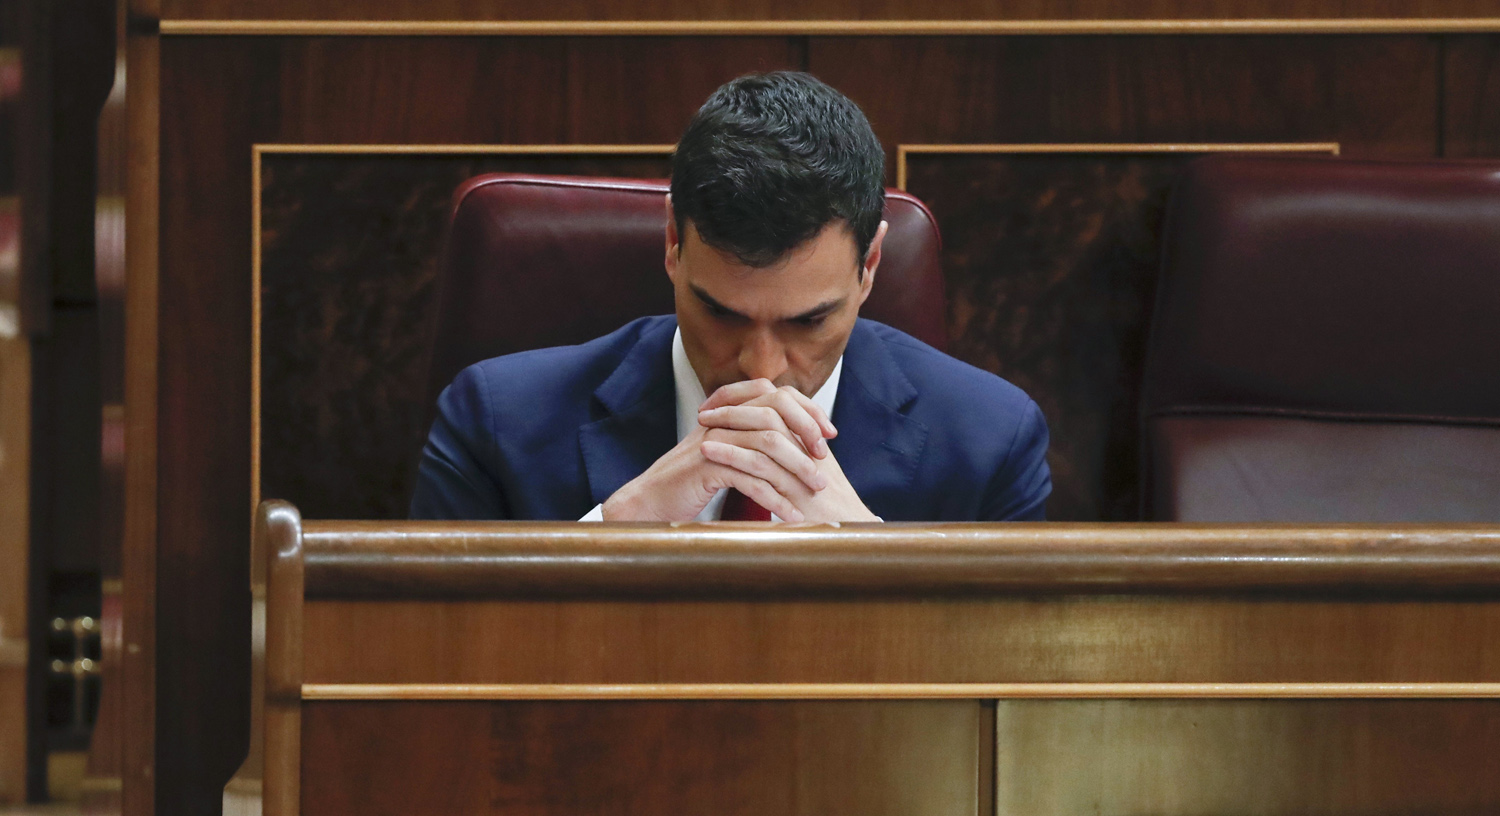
x=453 y=480
x=1019 y=489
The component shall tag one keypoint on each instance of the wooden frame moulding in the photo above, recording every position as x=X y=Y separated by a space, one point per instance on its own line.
x=903 y=151
x=905 y=691
x=258 y=153
x=811 y=28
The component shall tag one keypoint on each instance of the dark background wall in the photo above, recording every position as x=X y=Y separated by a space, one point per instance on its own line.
x=1049 y=257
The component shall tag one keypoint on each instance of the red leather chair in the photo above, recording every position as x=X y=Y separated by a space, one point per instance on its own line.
x=536 y=261
x=1326 y=344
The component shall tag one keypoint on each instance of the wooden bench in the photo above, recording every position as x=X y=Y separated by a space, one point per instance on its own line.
x=561 y=668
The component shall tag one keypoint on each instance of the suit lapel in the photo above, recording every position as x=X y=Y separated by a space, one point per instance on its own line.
x=639 y=402
x=878 y=446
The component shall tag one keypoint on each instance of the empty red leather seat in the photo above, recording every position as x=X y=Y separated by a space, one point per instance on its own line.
x=1326 y=344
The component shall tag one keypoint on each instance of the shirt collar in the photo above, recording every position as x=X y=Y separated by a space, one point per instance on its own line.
x=690 y=389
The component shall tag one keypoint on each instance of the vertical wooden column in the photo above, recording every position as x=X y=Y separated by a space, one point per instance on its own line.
x=138 y=561
x=279 y=527
x=15 y=422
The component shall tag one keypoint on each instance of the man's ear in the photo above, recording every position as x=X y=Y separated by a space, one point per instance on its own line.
x=674 y=242
x=872 y=261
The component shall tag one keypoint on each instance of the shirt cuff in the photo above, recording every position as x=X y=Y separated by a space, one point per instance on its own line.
x=597 y=514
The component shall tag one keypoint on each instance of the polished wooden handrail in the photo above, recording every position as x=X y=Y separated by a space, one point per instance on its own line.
x=564 y=559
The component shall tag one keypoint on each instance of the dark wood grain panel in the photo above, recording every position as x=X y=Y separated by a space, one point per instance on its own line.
x=606 y=103
x=816 y=10
x=1376 y=96
x=138 y=555
x=218 y=98
x=1471 y=97
x=1051 y=265
x=642 y=758
x=1007 y=640
x=349 y=252
x=411 y=90
x=207 y=122
x=1259 y=758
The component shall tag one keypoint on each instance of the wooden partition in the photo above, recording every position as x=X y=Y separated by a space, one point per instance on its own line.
x=557 y=668
x=286 y=361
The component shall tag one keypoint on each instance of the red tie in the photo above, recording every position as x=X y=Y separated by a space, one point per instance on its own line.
x=739 y=507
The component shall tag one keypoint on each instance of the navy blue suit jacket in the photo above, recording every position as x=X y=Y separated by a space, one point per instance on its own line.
x=549 y=434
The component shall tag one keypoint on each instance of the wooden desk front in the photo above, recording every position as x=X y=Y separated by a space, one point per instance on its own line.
x=531 y=668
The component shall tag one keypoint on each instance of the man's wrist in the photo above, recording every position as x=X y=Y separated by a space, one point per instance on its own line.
x=618 y=507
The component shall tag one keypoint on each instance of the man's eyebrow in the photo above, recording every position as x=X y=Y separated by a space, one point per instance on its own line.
x=817 y=311
x=714 y=304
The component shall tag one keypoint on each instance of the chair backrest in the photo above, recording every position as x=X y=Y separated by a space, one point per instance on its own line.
x=534 y=261
x=1326 y=344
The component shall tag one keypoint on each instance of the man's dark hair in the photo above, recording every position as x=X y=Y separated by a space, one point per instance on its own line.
x=769 y=160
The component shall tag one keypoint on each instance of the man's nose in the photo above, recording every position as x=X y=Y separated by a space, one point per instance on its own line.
x=763 y=356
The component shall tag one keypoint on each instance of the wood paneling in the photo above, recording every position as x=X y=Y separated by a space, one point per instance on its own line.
x=637 y=742
x=1000 y=641
x=1471 y=97
x=1378 y=96
x=203 y=354
x=404 y=90
x=138 y=559
x=349 y=255
x=218 y=97
x=642 y=758
x=607 y=77
x=1248 y=757
x=15 y=426
x=1375 y=96
x=818 y=10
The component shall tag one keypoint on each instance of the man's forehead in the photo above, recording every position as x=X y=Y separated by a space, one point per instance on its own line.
x=833 y=243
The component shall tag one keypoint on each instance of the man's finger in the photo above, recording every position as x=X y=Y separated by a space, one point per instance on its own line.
x=738 y=393
x=814 y=409
x=762 y=466
x=759 y=490
x=779 y=449
x=777 y=411
x=756 y=417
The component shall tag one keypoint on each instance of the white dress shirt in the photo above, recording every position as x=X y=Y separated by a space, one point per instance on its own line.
x=690 y=395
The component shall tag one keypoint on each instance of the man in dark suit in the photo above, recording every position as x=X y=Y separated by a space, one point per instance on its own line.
x=773 y=242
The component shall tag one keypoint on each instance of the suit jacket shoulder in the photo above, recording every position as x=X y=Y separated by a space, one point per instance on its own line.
x=967 y=444
x=505 y=443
